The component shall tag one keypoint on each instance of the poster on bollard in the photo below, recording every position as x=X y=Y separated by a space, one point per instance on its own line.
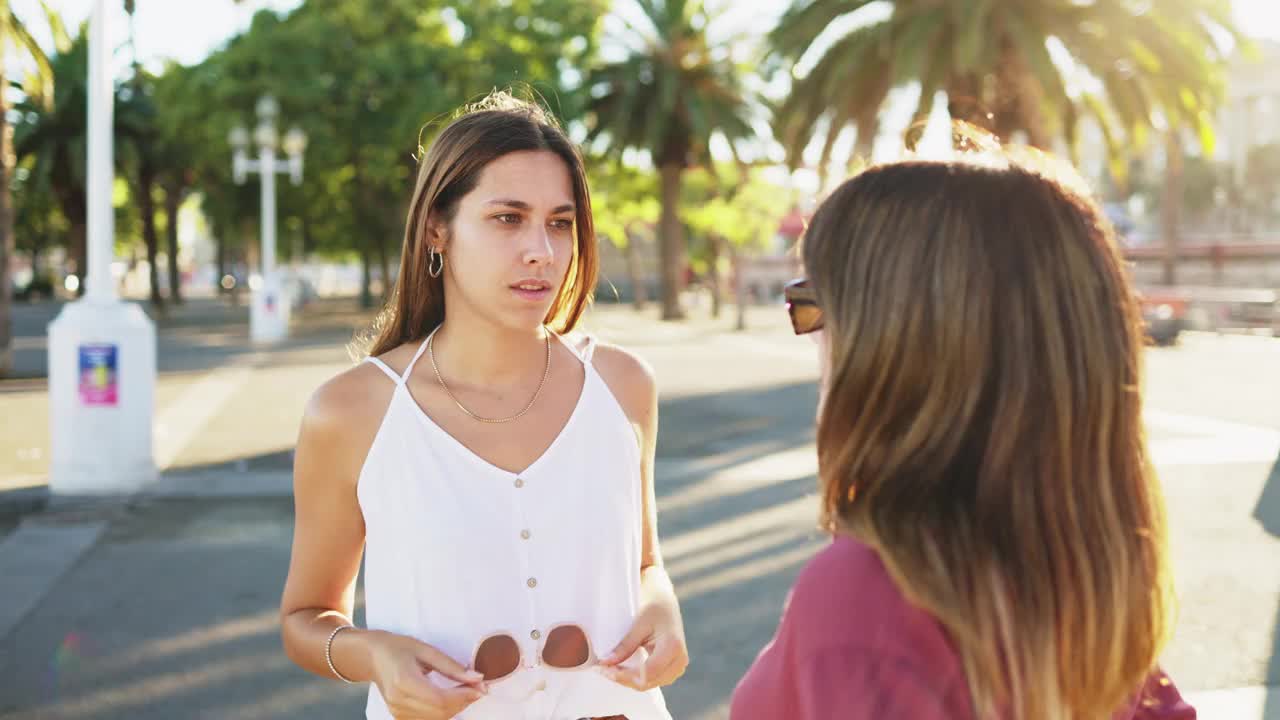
x=99 y=374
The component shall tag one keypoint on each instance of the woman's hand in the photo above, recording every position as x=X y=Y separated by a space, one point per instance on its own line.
x=400 y=665
x=659 y=629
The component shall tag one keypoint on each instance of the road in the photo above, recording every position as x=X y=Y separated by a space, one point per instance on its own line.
x=165 y=608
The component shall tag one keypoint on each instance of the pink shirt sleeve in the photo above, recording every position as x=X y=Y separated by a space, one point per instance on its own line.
x=1159 y=699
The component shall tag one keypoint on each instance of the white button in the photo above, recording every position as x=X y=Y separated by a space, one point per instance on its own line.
x=533 y=582
x=525 y=534
x=519 y=483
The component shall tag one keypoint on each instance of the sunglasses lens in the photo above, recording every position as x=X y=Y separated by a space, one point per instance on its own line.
x=566 y=647
x=805 y=317
x=497 y=657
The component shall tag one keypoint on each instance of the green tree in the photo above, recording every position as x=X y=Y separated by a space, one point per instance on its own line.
x=369 y=81
x=737 y=211
x=625 y=205
x=15 y=36
x=671 y=94
x=136 y=124
x=992 y=59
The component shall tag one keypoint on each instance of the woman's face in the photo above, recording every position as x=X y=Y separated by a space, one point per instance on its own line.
x=510 y=244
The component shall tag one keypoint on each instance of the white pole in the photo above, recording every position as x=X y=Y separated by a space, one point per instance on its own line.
x=101 y=219
x=268 y=171
x=102 y=352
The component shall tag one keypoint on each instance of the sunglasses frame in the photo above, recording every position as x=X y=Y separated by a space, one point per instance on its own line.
x=799 y=293
x=592 y=658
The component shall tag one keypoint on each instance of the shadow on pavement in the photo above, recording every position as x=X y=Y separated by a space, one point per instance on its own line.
x=734 y=550
x=174 y=612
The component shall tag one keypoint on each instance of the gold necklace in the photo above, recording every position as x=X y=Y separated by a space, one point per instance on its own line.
x=545 y=374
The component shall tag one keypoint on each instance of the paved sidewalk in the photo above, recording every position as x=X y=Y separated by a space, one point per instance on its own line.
x=164 y=605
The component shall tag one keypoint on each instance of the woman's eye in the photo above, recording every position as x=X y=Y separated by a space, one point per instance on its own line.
x=562 y=224
x=508 y=218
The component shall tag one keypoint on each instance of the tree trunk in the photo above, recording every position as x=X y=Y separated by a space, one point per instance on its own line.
x=717 y=245
x=1171 y=205
x=671 y=253
x=867 y=127
x=739 y=288
x=147 y=206
x=73 y=199
x=7 y=243
x=639 y=292
x=172 y=201
x=965 y=103
x=366 y=279
x=1021 y=105
x=220 y=257
x=384 y=262
x=79 y=239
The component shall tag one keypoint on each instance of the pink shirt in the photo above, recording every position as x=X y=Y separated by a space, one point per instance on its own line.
x=850 y=646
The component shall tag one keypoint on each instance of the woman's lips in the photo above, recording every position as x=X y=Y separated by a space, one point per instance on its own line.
x=532 y=292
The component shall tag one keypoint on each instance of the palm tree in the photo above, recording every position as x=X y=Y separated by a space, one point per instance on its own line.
x=136 y=123
x=53 y=132
x=994 y=63
x=13 y=33
x=669 y=96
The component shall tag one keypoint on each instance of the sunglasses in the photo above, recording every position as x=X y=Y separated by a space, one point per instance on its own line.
x=566 y=647
x=802 y=306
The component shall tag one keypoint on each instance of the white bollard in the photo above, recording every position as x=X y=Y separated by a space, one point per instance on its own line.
x=102 y=369
x=269 y=310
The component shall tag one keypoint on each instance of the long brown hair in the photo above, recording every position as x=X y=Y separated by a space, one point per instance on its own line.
x=483 y=132
x=982 y=429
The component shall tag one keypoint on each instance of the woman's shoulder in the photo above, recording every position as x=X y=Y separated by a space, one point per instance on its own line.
x=846 y=598
x=348 y=407
x=629 y=377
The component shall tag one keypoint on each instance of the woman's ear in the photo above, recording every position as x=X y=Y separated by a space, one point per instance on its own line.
x=437 y=235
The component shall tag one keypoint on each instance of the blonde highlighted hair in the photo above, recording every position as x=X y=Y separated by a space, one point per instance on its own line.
x=982 y=428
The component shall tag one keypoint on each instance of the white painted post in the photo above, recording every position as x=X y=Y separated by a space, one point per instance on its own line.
x=102 y=352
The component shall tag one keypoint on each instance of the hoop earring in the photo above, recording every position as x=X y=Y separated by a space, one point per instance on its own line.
x=435 y=263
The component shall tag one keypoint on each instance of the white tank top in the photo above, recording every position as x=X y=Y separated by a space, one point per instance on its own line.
x=458 y=549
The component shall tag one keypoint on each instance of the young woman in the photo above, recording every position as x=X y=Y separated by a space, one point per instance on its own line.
x=496 y=475
x=999 y=540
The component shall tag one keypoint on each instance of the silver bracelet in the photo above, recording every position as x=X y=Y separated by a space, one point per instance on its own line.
x=328 y=653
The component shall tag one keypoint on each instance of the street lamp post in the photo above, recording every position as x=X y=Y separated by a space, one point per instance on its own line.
x=270 y=305
x=102 y=352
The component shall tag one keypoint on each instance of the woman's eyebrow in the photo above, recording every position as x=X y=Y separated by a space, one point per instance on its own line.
x=522 y=205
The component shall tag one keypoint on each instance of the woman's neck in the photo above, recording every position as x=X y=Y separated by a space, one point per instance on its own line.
x=478 y=354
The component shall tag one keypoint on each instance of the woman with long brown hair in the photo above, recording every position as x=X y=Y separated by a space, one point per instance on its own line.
x=500 y=491
x=999 y=544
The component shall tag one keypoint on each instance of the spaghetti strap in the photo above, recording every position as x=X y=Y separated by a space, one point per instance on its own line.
x=385 y=368
x=589 y=350
x=421 y=349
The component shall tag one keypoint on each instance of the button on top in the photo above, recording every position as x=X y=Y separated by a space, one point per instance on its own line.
x=535 y=634
x=525 y=534
x=519 y=483
x=533 y=582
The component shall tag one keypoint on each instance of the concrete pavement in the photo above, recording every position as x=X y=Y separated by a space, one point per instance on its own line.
x=165 y=607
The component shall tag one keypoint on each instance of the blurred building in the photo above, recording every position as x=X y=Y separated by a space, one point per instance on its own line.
x=1251 y=115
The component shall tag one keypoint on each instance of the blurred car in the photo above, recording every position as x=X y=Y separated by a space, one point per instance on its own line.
x=1165 y=316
